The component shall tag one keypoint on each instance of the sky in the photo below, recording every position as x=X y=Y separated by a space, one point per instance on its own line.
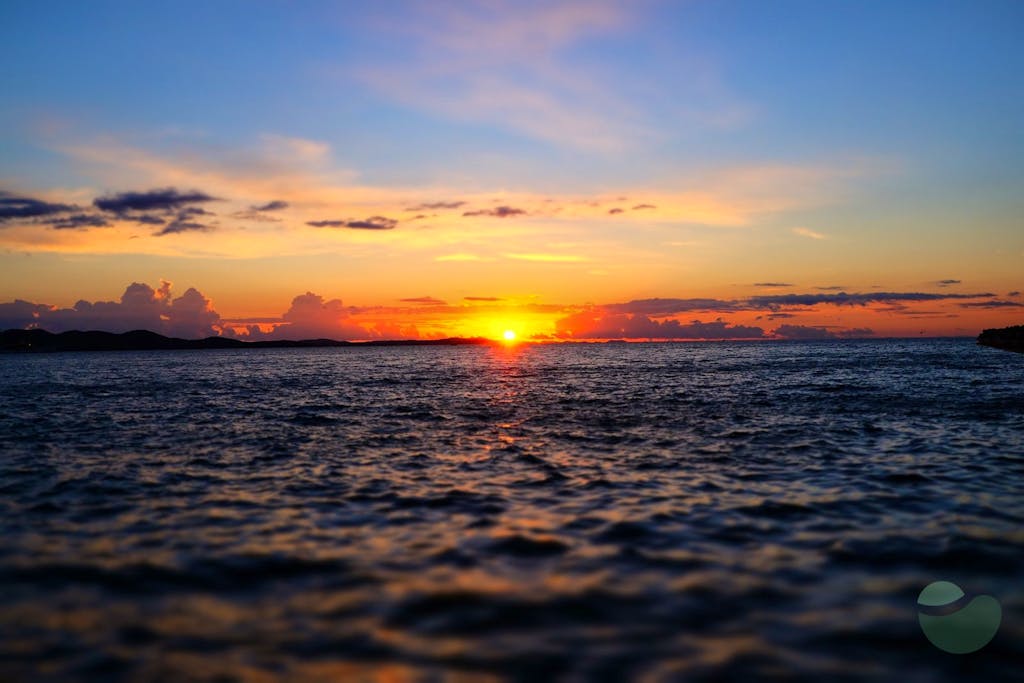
x=567 y=170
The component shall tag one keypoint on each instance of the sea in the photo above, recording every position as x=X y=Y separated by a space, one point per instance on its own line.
x=720 y=511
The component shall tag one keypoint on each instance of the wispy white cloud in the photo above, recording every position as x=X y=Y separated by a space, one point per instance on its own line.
x=548 y=258
x=505 y=64
x=807 y=232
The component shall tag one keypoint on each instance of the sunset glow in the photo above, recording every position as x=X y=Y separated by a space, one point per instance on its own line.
x=587 y=170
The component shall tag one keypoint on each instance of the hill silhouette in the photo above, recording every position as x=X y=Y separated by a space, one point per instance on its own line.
x=143 y=340
x=1006 y=338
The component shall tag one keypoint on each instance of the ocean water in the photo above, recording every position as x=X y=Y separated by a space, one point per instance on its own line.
x=647 y=512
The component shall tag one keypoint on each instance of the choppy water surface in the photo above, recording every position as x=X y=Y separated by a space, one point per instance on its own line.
x=581 y=512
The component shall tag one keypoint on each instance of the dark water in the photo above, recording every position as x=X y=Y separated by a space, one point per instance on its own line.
x=583 y=512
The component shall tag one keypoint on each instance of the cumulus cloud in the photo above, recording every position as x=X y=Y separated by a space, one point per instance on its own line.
x=497 y=212
x=435 y=206
x=141 y=307
x=191 y=315
x=371 y=223
x=13 y=207
x=599 y=324
x=311 y=317
x=19 y=314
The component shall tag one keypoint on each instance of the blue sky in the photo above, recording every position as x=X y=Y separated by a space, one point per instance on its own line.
x=695 y=83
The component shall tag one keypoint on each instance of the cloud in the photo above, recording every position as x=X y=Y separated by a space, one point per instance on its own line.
x=772 y=284
x=844 y=299
x=802 y=332
x=191 y=315
x=13 y=207
x=482 y=298
x=820 y=332
x=855 y=332
x=498 y=212
x=831 y=288
x=549 y=258
x=641 y=207
x=1013 y=293
x=434 y=206
x=141 y=307
x=19 y=314
x=504 y=64
x=258 y=212
x=166 y=199
x=371 y=223
x=303 y=174
x=805 y=232
x=666 y=307
x=180 y=225
x=275 y=205
x=190 y=211
x=947 y=283
x=311 y=317
x=426 y=300
x=598 y=324
x=174 y=210
x=992 y=304
x=183 y=222
x=614 y=211
x=78 y=221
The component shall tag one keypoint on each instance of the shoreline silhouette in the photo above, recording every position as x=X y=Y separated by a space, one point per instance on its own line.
x=1004 y=338
x=41 y=341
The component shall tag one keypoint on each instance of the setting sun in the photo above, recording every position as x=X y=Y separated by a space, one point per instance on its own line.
x=509 y=335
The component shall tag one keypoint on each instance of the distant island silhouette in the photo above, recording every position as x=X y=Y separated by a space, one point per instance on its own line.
x=1006 y=338
x=28 y=341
